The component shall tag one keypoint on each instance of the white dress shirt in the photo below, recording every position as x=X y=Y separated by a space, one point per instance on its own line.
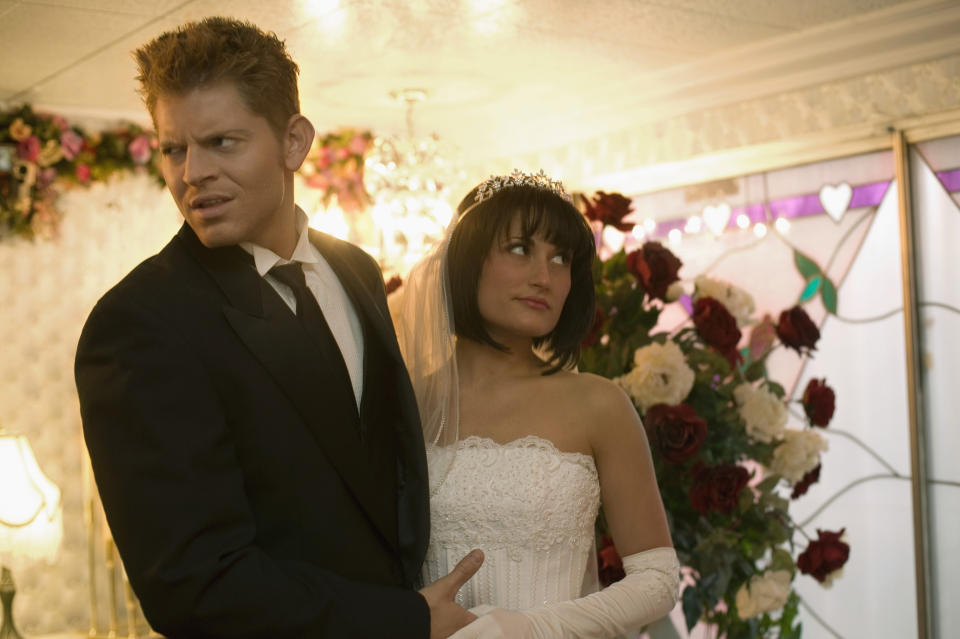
x=337 y=308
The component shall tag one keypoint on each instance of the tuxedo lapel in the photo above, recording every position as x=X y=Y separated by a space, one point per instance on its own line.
x=413 y=512
x=359 y=294
x=317 y=390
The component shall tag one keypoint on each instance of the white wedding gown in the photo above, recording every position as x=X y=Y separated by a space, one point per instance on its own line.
x=530 y=507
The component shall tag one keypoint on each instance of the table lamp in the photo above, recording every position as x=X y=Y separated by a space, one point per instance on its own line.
x=31 y=518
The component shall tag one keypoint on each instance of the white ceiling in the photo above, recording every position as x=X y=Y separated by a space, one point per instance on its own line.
x=504 y=77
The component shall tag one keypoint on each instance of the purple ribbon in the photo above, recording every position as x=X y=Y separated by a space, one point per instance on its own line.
x=803 y=205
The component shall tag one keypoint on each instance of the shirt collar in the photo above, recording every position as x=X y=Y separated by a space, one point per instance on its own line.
x=264 y=259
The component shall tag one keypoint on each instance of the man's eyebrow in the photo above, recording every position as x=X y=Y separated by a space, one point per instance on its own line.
x=225 y=133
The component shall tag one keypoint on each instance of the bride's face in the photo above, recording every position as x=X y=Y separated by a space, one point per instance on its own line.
x=523 y=285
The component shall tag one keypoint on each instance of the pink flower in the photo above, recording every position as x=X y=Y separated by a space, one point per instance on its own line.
x=71 y=143
x=61 y=122
x=326 y=157
x=358 y=145
x=83 y=172
x=47 y=176
x=140 y=149
x=29 y=148
x=342 y=154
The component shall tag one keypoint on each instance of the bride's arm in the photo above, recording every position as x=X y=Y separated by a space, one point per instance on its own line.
x=634 y=511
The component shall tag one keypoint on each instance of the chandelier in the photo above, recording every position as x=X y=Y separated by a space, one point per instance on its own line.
x=410 y=180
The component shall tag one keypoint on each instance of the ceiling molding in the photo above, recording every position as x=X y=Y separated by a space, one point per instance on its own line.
x=843 y=142
x=894 y=37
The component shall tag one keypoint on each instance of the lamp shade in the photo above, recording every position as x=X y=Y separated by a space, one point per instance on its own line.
x=31 y=517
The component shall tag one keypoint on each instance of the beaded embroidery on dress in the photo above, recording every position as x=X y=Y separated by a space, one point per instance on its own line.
x=529 y=506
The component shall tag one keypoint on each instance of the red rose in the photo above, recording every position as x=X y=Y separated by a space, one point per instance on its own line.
x=824 y=556
x=800 y=488
x=819 y=402
x=610 y=209
x=717 y=327
x=655 y=267
x=717 y=487
x=676 y=431
x=596 y=329
x=609 y=563
x=393 y=284
x=796 y=330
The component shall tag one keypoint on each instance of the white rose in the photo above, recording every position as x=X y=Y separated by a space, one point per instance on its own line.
x=737 y=301
x=798 y=454
x=660 y=375
x=764 y=593
x=763 y=413
x=674 y=291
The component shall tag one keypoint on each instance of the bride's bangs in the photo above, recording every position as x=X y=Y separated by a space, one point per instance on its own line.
x=560 y=222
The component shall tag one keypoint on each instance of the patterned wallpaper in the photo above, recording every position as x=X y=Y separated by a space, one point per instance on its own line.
x=46 y=292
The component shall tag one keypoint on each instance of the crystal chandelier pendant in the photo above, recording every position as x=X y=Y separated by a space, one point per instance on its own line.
x=411 y=180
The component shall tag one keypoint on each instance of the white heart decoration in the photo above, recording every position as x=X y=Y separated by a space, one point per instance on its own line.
x=836 y=199
x=716 y=217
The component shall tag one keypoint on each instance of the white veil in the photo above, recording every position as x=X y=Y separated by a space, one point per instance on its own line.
x=423 y=318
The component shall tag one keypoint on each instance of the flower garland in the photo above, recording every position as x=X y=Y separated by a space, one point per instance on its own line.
x=335 y=165
x=726 y=462
x=40 y=154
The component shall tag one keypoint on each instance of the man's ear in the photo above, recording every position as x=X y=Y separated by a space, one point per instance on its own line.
x=297 y=140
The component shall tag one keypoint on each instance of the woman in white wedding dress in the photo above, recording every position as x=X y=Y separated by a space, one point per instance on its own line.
x=521 y=448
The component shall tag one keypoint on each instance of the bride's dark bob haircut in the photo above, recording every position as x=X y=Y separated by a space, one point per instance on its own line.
x=540 y=210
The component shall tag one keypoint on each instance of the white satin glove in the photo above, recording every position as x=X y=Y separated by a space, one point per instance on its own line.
x=648 y=592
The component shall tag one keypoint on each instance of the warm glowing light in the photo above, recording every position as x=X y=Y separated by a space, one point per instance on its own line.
x=782 y=224
x=649 y=225
x=675 y=235
x=716 y=217
x=331 y=221
x=31 y=514
x=638 y=232
x=613 y=239
x=328 y=16
x=760 y=229
x=319 y=8
x=743 y=220
x=694 y=224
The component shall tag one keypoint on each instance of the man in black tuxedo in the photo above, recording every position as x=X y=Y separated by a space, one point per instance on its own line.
x=253 y=432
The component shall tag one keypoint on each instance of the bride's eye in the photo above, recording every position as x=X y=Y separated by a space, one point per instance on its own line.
x=518 y=248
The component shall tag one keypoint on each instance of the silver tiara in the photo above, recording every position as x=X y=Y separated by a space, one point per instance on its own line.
x=496 y=183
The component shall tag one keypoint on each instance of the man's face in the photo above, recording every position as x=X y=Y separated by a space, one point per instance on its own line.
x=225 y=168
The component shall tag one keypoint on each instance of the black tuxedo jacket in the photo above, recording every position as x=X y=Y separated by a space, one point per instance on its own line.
x=247 y=494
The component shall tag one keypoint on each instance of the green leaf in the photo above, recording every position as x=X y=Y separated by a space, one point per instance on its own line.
x=829 y=296
x=769 y=483
x=782 y=560
x=755 y=370
x=811 y=288
x=775 y=388
x=807 y=267
x=691 y=607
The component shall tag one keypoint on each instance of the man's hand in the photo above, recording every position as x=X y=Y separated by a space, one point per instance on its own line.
x=446 y=617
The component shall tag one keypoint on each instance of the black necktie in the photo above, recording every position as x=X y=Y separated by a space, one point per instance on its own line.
x=292 y=275
x=311 y=317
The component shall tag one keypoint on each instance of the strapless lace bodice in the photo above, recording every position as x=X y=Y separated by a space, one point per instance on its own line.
x=529 y=506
